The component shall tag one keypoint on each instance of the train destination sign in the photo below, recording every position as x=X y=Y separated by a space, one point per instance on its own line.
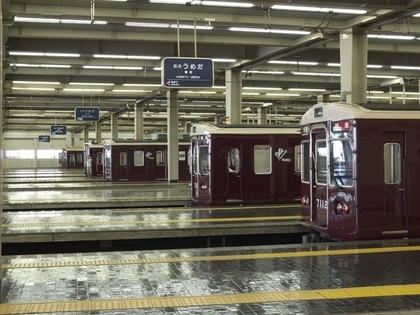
x=58 y=130
x=86 y=113
x=44 y=138
x=187 y=72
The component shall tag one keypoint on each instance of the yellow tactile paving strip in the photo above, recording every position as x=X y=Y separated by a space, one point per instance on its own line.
x=210 y=300
x=355 y=251
x=144 y=222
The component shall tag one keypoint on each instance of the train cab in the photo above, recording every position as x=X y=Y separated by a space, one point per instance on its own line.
x=145 y=160
x=359 y=171
x=244 y=164
x=95 y=151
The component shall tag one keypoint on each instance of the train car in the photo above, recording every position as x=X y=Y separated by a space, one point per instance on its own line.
x=359 y=172
x=145 y=160
x=244 y=164
x=95 y=151
x=72 y=158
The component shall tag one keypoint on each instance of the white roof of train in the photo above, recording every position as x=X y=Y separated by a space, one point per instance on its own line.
x=200 y=129
x=342 y=110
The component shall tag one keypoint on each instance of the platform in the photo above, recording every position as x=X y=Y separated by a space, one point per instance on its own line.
x=314 y=279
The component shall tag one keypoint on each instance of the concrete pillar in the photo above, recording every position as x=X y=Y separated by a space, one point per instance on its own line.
x=86 y=134
x=98 y=131
x=353 y=60
x=138 y=122
x=114 y=126
x=234 y=96
x=262 y=116
x=172 y=123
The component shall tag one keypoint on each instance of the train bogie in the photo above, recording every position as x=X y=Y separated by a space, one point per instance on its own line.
x=244 y=165
x=359 y=172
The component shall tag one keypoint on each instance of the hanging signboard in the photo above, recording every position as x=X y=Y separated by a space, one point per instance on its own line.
x=58 y=130
x=86 y=113
x=187 y=73
x=44 y=138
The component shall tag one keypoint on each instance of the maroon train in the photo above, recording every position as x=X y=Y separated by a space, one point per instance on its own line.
x=244 y=165
x=72 y=158
x=96 y=153
x=142 y=160
x=359 y=172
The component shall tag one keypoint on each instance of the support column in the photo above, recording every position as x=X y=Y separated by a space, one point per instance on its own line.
x=172 y=123
x=98 y=130
x=86 y=134
x=353 y=59
x=114 y=126
x=234 y=96
x=262 y=116
x=138 y=121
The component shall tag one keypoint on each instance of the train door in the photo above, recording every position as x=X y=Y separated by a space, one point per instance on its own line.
x=161 y=166
x=233 y=187
x=394 y=190
x=319 y=177
x=99 y=167
x=123 y=165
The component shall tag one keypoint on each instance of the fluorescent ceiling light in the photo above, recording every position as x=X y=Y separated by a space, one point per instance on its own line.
x=407 y=98
x=56 y=21
x=83 y=90
x=412 y=93
x=191 y=27
x=87 y=83
x=284 y=62
x=29 y=65
x=32 y=89
x=167 y=25
x=282 y=94
x=223 y=60
x=318 y=9
x=143 y=24
x=379 y=97
x=197 y=92
x=129 y=91
x=145 y=85
x=35 y=82
x=417 y=15
x=41 y=54
x=402 y=37
x=332 y=64
x=261 y=72
x=261 y=88
x=262 y=30
x=307 y=90
x=316 y=74
x=405 y=67
x=227 y=4
x=112 y=68
x=126 y=57
x=170 y=1
x=250 y=93
x=374 y=76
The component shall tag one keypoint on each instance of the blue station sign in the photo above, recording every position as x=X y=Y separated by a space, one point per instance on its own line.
x=187 y=73
x=86 y=113
x=58 y=130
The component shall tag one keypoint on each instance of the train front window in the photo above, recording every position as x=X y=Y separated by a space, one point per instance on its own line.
x=233 y=160
x=203 y=160
x=321 y=161
x=341 y=163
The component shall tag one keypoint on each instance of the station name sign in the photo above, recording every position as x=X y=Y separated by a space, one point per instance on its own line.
x=187 y=72
x=44 y=138
x=58 y=130
x=86 y=113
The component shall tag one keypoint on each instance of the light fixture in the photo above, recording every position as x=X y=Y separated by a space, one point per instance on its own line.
x=129 y=91
x=42 y=54
x=405 y=67
x=261 y=88
x=223 y=60
x=302 y=63
x=144 y=24
x=112 y=68
x=30 y=65
x=197 y=92
x=56 y=21
x=90 y=83
x=144 y=85
x=375 y=76
x=35 y=82
x=83 y=90
x=263 y=30
x=261 y=72
x=282 y=94
x=401 y=37
x=322 y=74
x=307 y=90
x=250 y=93
x=207 y=3
x=332 y=64
x=318 y=9
x=32 y=88
x=126 y=57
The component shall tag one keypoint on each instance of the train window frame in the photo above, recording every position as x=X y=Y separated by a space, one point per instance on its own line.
x=305 y=162
x=298 y=156
x=342 y=167
x=392 y=165
x=234 y=160
x=160 y=158
x=263 y=159
x=138 y=158
x=203 y=160
x=79 y=158
x=123 y=158
x=318 y=160
x=99 y=158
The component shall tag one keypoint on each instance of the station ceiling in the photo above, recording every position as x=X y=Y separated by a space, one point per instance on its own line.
x=60 y=55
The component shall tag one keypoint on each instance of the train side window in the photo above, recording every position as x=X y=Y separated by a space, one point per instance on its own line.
x=262 y=159
x=321 y=161
x=79 y=158
x=233 y=160
x=341 y=163
x=305 y=161
x=139 y=158
x=203 y=160
x=160 y=157
x=123 y=158
x=298 y=157
x=392 y=163
x=99 y=158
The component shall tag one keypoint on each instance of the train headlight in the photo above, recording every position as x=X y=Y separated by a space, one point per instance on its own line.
x=342 y=208
x=203 y=187
x=304 y=201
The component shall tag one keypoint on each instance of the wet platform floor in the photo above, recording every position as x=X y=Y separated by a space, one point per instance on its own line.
x=315 y=279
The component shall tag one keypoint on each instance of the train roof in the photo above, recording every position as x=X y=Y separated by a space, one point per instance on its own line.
x=200 y=129
x=140 y=142
x=343 y=110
